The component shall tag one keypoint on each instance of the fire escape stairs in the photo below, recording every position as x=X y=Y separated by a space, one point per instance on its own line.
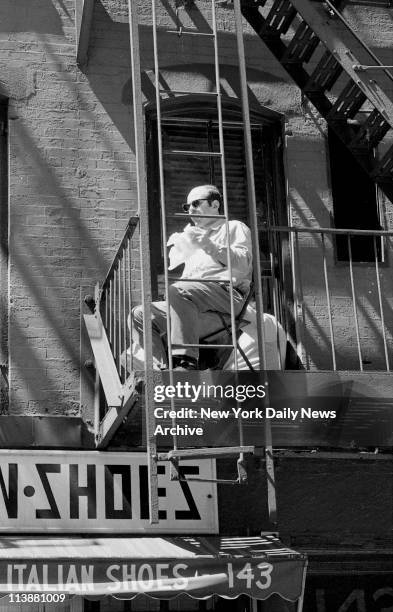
x=121 y=397
x=337 y=72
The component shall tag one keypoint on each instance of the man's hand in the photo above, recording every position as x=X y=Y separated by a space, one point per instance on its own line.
x=198 y=236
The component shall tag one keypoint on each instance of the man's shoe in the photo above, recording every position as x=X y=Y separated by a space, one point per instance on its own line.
x=184 y=363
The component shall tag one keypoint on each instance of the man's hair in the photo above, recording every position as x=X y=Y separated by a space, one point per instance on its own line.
x=214 y=194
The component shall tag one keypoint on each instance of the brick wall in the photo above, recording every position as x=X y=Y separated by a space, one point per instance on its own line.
x=72 y=189
x=72 y=180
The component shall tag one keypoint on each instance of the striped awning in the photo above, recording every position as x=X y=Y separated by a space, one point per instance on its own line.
x=161 y=567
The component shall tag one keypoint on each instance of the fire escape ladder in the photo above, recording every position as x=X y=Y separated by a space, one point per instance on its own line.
x=176 y=455
x=336 y=71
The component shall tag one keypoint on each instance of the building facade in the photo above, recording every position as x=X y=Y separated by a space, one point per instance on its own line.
x=68 y=188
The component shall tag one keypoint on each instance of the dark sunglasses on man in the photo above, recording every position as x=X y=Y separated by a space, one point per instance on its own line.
x=195 y=204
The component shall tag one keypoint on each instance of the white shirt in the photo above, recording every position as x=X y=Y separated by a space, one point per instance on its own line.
x=211 y=263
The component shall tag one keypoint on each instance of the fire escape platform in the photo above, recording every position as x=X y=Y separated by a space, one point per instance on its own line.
x=362 y=402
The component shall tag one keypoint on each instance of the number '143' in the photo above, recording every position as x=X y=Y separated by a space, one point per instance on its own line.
x=260 y=575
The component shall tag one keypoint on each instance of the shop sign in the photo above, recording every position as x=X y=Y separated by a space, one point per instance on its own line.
x=82 y=491
x=167 y=578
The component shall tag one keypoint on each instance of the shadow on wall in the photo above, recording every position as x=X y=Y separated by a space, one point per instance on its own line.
x=47 y=261
x=41 y=173
x=108 y=69
x=33 y=16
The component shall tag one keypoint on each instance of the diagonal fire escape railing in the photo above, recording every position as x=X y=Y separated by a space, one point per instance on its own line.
x=110 y=335
x=336 y=71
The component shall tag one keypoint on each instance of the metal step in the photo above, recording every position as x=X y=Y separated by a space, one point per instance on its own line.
x=199 y=280
x=279 y=18
x=191 y=153
x=371 y=132
x=324 y=75
x=182 y=92
x=202 y=346
x=347 y=104
x=190 y=33
x=203 y=453
x=302 y=46
x=187 y=216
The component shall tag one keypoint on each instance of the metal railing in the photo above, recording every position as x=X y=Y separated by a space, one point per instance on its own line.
x=342 y=292
x=378 y=64
x=342 y=306
x=120 y=293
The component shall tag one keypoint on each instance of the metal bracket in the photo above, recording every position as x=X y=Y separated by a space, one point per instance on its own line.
x=178 y=475
x=362 y=67
x=204 y=453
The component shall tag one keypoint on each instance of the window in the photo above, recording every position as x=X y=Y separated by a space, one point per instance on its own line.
x=355 y=203
x=187 y=128
x=3 y=259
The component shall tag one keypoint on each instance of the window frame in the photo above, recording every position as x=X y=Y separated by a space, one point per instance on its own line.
x=340 y=241
x=204 y=108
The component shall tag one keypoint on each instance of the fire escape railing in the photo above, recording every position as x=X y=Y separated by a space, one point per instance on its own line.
x=320 y=282
x=344 y=336
x=120 y=292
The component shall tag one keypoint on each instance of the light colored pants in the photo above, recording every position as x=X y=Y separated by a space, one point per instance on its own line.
x=193 y=312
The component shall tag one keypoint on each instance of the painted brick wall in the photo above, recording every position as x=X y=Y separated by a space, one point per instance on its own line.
x=72 y=188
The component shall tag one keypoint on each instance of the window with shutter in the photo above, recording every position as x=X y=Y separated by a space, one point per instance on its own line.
x=199 y=133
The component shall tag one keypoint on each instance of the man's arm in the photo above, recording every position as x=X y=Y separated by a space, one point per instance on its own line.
x=240 y=246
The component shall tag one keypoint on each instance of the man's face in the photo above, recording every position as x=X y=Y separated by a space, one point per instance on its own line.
x=201 y=204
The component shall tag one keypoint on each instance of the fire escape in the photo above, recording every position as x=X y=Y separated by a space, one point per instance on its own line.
x=336 y=71
x=333 y=70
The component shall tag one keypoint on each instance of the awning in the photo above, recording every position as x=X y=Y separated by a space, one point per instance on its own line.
x=161 y=567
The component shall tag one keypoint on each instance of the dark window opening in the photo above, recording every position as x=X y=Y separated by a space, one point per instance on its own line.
x=199 y=133
x=355 y=204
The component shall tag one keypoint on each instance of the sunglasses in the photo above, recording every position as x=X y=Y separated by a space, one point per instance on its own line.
x=194 y=204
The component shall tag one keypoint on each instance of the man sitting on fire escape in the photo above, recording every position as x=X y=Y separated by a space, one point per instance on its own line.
x=194 y=304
